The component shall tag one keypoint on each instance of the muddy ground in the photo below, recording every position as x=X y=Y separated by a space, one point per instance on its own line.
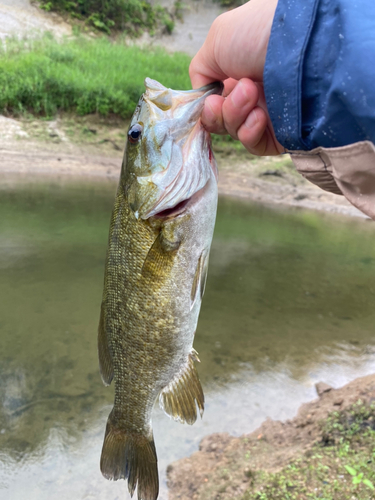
x=269 y=448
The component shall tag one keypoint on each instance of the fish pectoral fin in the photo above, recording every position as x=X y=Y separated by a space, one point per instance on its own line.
x=200 y=278
x=105 y=358
x=159 y=259
x=131 y=456
x=180 y=398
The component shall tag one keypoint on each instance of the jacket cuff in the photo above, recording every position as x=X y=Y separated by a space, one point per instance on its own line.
x=291 y=29
x=347 y=170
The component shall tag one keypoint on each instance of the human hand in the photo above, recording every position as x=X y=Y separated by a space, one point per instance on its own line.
x=235 y=52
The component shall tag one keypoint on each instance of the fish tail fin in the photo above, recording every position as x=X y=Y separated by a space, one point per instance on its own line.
x=133 y=457
x=180 y=398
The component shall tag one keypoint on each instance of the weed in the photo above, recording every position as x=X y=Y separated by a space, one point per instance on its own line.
x=346 y=451
x=358 y=477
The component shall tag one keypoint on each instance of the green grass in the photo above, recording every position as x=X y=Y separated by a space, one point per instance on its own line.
x=129 y=16
x=340 y=467
x=81 y=75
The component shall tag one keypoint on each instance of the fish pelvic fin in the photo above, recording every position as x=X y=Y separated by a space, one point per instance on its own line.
x=130 y=456
x=181 y=397
x=105 y=358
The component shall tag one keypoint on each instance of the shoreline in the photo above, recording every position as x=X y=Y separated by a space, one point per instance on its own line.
x=239 y=177
x=270 y=448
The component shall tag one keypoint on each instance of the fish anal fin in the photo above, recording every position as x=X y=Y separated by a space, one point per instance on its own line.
x=131 y=456
x=200 y=278
x=105 y=358
x=181 y=397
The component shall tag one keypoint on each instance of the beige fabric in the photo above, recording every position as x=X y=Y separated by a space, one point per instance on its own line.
x=348 y=170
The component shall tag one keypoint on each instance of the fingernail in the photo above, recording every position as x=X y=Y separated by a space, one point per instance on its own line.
x=238 y=96
x=252 y=119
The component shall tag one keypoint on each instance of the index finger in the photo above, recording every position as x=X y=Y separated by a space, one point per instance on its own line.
x=204 y=70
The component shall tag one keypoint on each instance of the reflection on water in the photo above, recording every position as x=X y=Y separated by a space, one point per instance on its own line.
x=289 y=302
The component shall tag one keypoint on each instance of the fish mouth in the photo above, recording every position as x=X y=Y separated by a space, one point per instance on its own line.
x=181 y=207
x=169 y=213
x=210 y=89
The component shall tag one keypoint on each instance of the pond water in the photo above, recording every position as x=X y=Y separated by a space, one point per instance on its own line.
x=289 y=302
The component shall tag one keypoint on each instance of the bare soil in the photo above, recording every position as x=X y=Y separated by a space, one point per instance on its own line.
x=21 y=17
x=270 y=448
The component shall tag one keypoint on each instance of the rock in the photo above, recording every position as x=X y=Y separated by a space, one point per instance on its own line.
x=22 y=134
x=322 y=387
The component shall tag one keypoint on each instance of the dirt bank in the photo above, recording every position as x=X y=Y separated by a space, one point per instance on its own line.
x=270 y=448
x=20 y=18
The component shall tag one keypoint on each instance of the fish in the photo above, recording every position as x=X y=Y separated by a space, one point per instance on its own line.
x=155 y=275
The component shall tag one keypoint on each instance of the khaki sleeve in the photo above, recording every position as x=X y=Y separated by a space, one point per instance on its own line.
x=348 y=171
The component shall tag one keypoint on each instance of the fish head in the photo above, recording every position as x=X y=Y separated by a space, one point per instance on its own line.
x=168 y=156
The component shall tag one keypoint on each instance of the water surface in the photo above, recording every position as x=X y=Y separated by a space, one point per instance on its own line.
x=289 y=302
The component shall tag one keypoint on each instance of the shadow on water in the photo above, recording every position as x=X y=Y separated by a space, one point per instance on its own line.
x=289 y=301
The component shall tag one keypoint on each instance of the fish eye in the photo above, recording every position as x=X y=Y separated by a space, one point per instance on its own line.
x=135 y=133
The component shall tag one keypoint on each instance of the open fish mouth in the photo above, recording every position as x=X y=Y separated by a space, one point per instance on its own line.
x=181 y=207
x=169 y=213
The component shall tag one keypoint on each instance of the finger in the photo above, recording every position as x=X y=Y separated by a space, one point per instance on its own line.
x=204 y=69
x=272 y=143
x=212 y=118
x=251 y=132
x=256 y=136
x=201 y=74
x=229 y=85
x=238 y=105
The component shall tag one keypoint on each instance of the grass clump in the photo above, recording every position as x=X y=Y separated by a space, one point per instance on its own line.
x=84 y=76
x=340 y=467
x=130 y=16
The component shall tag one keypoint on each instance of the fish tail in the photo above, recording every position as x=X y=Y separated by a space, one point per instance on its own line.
x=133 y=457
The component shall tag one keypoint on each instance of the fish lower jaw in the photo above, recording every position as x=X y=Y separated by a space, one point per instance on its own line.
x=173 y=211
x=181 y=206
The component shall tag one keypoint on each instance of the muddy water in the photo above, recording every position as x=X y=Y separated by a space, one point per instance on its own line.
x=289 y=302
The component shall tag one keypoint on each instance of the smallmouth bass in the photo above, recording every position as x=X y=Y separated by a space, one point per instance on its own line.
x=156 y=267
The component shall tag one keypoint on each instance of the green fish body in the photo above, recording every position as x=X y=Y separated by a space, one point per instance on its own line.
x=159 y=241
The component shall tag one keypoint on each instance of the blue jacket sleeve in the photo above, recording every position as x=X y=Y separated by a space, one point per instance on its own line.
x=319 y=76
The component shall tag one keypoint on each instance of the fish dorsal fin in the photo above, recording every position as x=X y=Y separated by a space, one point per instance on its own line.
x=180 y=398
x=105 y=358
